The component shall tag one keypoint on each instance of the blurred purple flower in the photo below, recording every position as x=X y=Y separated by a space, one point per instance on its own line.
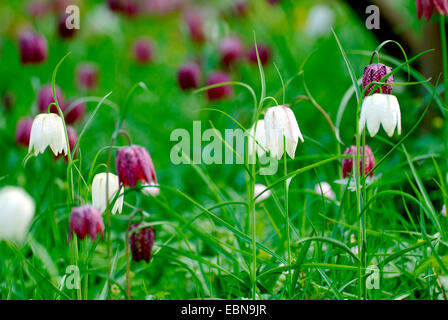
x=143 y=51
x=219 y=92
x=426 y=8
x=189 y=76
x=33 y=48
x=231 y=50
x=195 y=26
x=45 y=98
x=87 y=76
x=347 y=163
x=74 y=113
x=263 y=52
x=23 y=131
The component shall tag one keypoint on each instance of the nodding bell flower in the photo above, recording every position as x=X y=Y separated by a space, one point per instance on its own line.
x=100 y=189
x=219 y=92
x=189 y=76
x=23 y=132
x=231 y=50
x=369 y=162
x=257 y=139
x=143 y=51
x=380 y=109
x=426 y=8
x=195 y=26
x=279 y=123
x=374 y=73
x=134 y=164
x=33 y=48
x=45 y=98
x=258 y=189
x=87 y=76
x=86 y=220
x=72 y=138
x=141 y=242
x=47 y=130
x=324 y=189
x=73 y=113
x=263 y=52
x=65 y=32
x=16 y=214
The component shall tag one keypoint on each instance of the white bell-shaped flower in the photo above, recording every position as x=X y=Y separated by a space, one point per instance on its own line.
x=259 y=143
x=47 y=130
x=99 y=199
x=16 y=213
x=259 y=189
x=324 y=189
x=151 y=189
x=380 y=109
x=279 y=122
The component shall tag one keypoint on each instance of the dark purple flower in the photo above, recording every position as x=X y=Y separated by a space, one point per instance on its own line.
x=86 y=220
x=45 y=98
x=130 y=8
x=426 y=8
x=263 y=52
x=195 y=26
x=33 y=48
x=141 y=242
x=8 y=100
x=72 y=138
x=143 y=51
x=374 y=73
x=134 y=164
x=231 y=50
x=273 y=2
x=23 y=131
x=74 y=113
x=65 y=32
x=115 y=5
x=369 y=163
x=189 y=75
x=87 y=76
x=219 y=92
x=241 y=8
x=38 y=9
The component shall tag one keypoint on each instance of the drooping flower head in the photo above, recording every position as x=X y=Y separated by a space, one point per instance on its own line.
x=426 y=8
x=195 y=25
x=263 y=52
x=72 y=138
x=280 y=123
x=63 y=30
x=47 y=130
x=45 y=98
x=143 y=51
x=86 y=220
x=380 y=109
x=16 y=213
x=219 y=92
x=100 y=190
x=23 y=132
x=231 y=50
x=87 y=76
x=141 y=242
x=374 y=73
x=259 y=189
x=189 y=76
x=369 y=161
x=134 y=164
x=74 y=112
x=259 y=144
x=33 y=48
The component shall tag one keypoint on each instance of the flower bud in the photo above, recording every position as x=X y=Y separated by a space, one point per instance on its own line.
x=87 y=76
x=86 y=220
x=134 y=164
x=374 y=73
x=23 y=132
x=33 y=48
x=189 y=75
x=45 y=98
x=74 y=113
x=263 y=52
x=143 y=51
x=141 y=242
x=219 y=92
x=231 y=50
x=347 y=163
x=106 y=184
x=16 y=214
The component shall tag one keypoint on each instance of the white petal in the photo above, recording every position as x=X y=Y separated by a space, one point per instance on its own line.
x=372 y=110
x=388 y=115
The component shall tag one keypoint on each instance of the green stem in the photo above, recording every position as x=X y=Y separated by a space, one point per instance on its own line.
x=444 y=54
x=288 y=237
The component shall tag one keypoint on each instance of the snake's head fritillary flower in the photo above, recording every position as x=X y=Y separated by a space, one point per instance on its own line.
x=231 y=50
x=86 y=220
x=369 y=163
x=47 y=130
x=45 y=98
x=374 y=73
x=426 y=8
x=189 y=75
x=23 y=132
x=263 y=52
x=280 y=123
x=380 y=109
x=195 y=26
x=16 y=214
x=100 y=190
x=141 y=241
x=87 y=76
x=64 y=32
x=259 y=191
x=72 y=138
x=259 y=144
x=134 y=164
x=324 y=189
x=33 y=48
x=74 y=112
x=219 y=92
x=143 y=51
